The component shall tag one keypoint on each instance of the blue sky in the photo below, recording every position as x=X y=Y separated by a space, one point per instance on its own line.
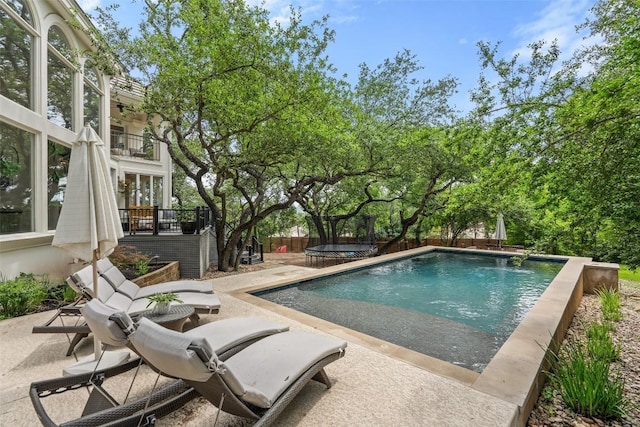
x=441 y=33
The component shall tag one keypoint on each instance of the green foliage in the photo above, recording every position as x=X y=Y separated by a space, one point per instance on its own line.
x=586 y=383
x=625 y=273
x=60 y=294
x=517 y=260
x=142 y=267
x=163 y=298
x=582 y=373
x=568 y=140
x=21 y=295
x=611 y=306
x=599 y=344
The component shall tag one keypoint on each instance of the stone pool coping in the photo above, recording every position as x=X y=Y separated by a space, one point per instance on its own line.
x=516 y=372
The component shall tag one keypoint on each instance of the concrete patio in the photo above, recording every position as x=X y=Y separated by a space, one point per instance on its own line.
x=369 y=387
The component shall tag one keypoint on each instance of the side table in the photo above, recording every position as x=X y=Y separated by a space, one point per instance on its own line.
x=174 y=318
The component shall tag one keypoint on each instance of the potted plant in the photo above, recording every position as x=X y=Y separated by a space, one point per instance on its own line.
x=162 y=301
x=187 y=218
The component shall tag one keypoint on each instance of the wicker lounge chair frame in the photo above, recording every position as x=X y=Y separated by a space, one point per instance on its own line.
x=79 y=329
x=216 y=389
x=101 y=409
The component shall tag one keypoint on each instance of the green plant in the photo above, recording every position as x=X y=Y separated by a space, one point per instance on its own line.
x=610 y=302
x=626 y=274
x=586 y=384
x=163 y=298
x=61 y=293
x=142 y=267
x=21 y=295
x=599 y=342
x=519 y=259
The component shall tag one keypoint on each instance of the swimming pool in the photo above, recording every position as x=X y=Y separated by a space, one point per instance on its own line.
x=456 y=307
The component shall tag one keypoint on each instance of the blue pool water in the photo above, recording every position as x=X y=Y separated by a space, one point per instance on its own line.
x=459 y=308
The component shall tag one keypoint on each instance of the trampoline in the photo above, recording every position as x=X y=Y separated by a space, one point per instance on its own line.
x=342 y=252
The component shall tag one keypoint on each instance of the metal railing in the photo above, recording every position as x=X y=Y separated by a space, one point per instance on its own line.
x=152 y=220
x=135 y=146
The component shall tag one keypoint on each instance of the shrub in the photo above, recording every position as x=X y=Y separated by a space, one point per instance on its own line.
x=21 y=295
x=586 y=384
x=142 y=267
x=124 y=256
x=610 y=302
x=600 y=345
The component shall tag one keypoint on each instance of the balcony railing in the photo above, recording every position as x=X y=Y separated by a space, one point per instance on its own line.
x=136 y=146
x=151 y=220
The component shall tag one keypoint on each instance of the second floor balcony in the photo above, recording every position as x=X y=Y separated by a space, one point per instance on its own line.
x=134 y=146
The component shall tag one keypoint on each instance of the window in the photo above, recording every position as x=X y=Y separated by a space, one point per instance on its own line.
x=157 y=190
x=145 y=190
x=16 y=147
x=91 y=99
x=142 y=190
x=60 y=80
x=57 y=170
x=16 y=42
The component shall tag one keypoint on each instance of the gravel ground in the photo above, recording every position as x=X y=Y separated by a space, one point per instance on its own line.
x=552 y=411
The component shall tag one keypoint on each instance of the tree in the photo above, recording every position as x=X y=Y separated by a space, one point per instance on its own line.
x=245 y=106
x=397 y=121
x=574 y=127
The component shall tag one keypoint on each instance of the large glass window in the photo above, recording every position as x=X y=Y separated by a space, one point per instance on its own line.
x=57 y=170
x=15 y=55
x=60 y=80
x=91 y=99
x=142 y=190
x=16 y=146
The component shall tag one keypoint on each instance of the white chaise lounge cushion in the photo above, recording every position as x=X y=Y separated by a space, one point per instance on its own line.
x=260 y=373
x=109 y=325
x=121 y=284
x=169 y=351
x=225 y=334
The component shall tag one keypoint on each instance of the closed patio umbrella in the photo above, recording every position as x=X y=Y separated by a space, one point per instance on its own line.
x=501 y=232
x=89 y=225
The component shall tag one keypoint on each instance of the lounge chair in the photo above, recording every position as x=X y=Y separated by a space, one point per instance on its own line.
x=112 y=328
x=119 y=282
x=258 y=382
x=75 y=326
x=116 y=297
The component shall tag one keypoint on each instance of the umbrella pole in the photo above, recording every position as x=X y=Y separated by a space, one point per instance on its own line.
x=94 y=263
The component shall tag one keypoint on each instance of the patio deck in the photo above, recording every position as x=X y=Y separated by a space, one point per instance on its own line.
x=369 y=387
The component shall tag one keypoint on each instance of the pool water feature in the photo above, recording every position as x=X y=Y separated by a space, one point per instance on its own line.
x=457 y=308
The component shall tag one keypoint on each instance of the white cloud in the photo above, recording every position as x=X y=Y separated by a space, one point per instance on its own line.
x=88 y=5
x=340 y=11
x=558 y=22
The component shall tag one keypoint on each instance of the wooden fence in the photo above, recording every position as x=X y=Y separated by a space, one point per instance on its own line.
x=297 y=244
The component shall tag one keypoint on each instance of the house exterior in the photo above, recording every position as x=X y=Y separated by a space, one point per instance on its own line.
x=47 y=94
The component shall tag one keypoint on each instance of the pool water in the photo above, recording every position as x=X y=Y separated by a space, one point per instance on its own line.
x=458 y=308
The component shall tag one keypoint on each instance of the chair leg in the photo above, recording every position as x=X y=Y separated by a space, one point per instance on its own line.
x=322 y=377
x=74 y=342
x=195 y=319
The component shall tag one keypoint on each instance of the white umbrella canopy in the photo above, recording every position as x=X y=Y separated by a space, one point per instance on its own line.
x=501 y=231
x=89 y=224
